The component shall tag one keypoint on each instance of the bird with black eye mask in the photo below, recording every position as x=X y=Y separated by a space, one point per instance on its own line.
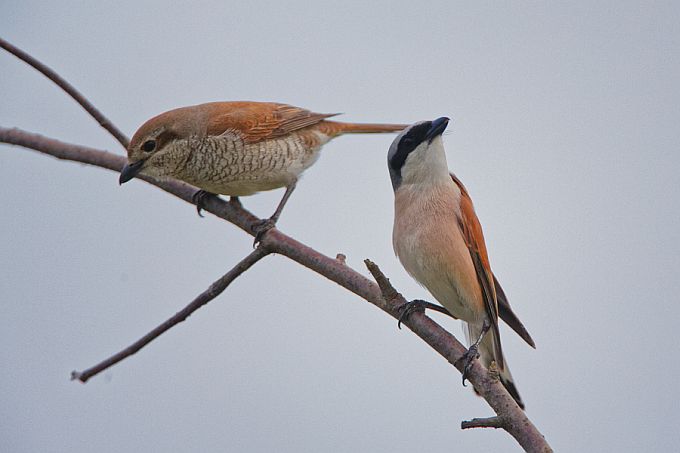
x=438 y=239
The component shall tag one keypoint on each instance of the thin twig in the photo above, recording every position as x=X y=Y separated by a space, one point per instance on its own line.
x=490 y=422
x=206 y=296
x=69 y=89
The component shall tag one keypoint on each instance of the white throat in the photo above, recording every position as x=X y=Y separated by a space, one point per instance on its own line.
x=426 y=165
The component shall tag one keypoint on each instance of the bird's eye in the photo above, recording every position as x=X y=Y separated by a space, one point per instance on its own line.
x=407 y=141
x=149 y=146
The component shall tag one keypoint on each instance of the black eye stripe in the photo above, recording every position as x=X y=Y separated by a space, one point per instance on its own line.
x=418 y=133
x=410 y=141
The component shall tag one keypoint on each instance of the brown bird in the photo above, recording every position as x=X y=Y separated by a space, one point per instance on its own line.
x=438 y=239
x=236 y=148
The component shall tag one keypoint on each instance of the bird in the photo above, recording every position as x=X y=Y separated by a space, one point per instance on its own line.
x=438 y=239
x=236 y=148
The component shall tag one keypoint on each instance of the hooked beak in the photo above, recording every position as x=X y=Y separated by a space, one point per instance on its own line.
x=437 y=128
x=129 y=171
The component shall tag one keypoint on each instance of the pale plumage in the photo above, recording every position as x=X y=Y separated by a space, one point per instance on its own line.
x=439 y=241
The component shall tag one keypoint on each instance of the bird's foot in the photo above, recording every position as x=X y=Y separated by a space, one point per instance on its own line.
x=411 y=307
x=419 y=305
x=260 y=228
x=467 y=358
x=199 y=198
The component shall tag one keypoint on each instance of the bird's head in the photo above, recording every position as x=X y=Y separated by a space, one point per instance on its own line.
x=148 y=149
x=417 y=154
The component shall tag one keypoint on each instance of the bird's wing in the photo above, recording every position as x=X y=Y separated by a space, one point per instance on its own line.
x=474 y=239
x=506 y=314
x=257 y=121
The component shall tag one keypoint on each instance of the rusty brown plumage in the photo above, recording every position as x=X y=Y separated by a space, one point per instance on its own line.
x=477 y=245
x=258 y=121
x=474 y=239
x=236 y=148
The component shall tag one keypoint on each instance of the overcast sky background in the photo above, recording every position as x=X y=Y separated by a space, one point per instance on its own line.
x=564 y=129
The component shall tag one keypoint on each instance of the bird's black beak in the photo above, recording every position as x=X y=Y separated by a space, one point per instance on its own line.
x=437 y=128
x=130 y=171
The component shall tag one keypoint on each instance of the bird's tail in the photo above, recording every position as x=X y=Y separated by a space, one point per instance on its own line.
x=334 y=128
x=486 y=356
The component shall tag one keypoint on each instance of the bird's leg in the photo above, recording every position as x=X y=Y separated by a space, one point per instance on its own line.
x=472 y=352
x=261 y=227
x=235 y=202
x=419 y=305
x=199 y=199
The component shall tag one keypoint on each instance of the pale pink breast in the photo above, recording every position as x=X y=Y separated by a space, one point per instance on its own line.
x=430 y=246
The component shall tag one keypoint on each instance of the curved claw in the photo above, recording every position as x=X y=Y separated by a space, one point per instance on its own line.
x=408 y=308
x=420 y=305
x=468 y=357
x=260 y=228
x=199 y=200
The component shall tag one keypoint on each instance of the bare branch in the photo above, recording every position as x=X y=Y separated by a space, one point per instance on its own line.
x=485 y=382
x=90 y=156
x=491 y=422
x=70 y=90
x=206 y=296
x=62 y=150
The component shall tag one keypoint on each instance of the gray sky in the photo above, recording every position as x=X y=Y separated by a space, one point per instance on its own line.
x=564 y=130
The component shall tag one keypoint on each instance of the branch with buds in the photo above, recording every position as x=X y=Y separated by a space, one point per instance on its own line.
x=508 y=415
